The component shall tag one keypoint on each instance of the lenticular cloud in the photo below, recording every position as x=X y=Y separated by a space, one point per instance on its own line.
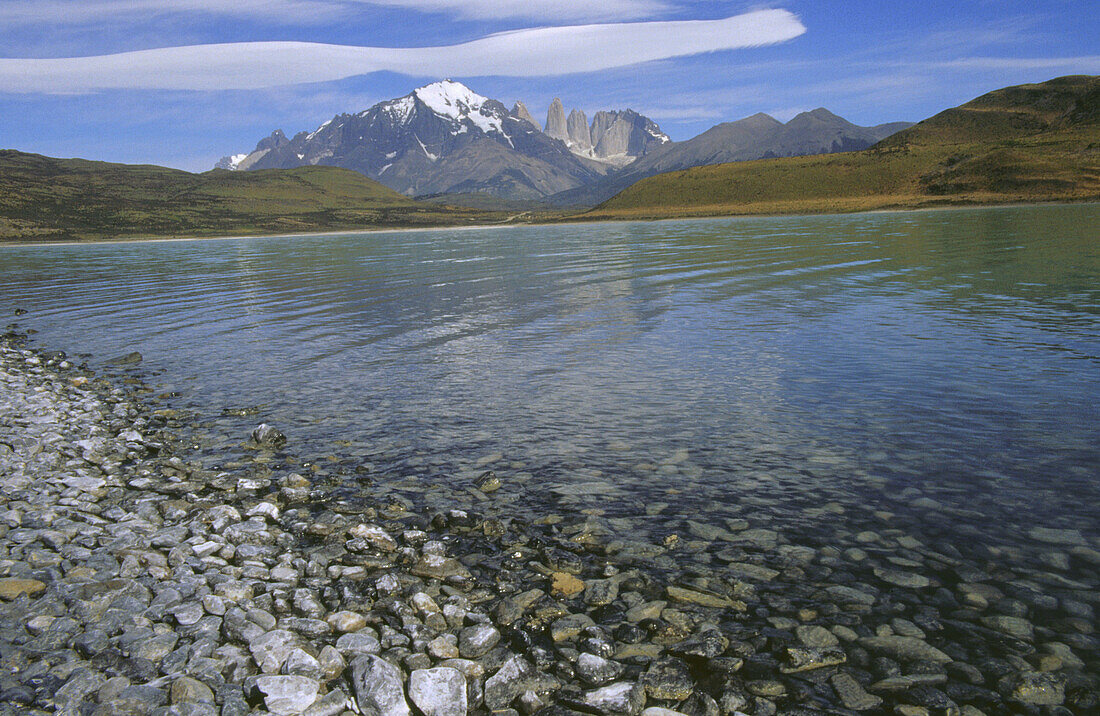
x=522 y=53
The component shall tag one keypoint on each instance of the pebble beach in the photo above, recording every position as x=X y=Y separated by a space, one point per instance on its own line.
x=138 y=577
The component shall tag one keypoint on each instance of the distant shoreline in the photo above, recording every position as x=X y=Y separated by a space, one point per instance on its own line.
x=575 y=220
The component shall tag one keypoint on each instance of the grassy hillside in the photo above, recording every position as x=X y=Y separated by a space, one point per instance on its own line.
x=1019 y=144
x=71 y=199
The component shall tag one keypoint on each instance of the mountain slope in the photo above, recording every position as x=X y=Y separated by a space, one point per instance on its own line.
x=756 y=137
x=1027 y=143
x=42 y=198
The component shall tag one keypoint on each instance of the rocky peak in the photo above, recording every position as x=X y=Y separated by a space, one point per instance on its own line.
x=555 y=121
x=622 y=136
x=520 y=111
x=274 y=141
x=580 y=138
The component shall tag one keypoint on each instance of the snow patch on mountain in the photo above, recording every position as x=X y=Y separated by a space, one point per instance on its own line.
x=456 y=101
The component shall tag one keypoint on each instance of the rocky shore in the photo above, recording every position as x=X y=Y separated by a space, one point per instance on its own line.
x=135 y=580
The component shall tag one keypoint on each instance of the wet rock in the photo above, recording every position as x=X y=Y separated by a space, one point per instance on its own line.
x=801 y=659
x=620 y=699
x=898 y=578
x=595 y=670
x=267 y=436
x=599 y=592
x=488 y=482
x=131 y=358
x=509 y=682
x=287 y=695
x=438 y=692
x=1036 y=689
x=904 y=682
x=905 y=648
x=668 y=679
x=1049 y=535
x=852 y=695
x=564 y=584
x=476 y=641
x=689 y=596
x=569 y=627
x=1013 y=626
x=815 y=636
x=708 y=644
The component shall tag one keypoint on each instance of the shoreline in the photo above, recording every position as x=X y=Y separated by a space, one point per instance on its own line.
x=575 y=220
x=150 y=583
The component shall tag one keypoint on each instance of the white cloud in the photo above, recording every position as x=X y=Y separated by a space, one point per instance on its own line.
x=548 y=51
x=77 y=12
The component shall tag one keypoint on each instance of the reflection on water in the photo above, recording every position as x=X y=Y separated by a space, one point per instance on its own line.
x=714 y=366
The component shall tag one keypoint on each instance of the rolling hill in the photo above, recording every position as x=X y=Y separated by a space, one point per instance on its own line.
x=47 y=199
x=1027 y=143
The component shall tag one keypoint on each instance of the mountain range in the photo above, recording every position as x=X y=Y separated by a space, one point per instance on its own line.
x=1037 y=142
x=445 y=139
x=1027 y=143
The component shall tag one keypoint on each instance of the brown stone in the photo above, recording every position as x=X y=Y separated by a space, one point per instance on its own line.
x=565 y=585
x=11 y=587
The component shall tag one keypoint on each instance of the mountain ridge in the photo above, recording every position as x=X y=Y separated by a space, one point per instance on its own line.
x=1026 y=143
x=439 y=139
x=49 y=199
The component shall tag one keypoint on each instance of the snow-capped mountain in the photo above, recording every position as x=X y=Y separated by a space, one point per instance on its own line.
x=440 y=138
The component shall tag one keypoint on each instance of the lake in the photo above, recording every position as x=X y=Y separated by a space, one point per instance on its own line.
x=931 y=374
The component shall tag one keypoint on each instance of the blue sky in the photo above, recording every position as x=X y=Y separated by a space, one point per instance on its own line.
x=251 y=66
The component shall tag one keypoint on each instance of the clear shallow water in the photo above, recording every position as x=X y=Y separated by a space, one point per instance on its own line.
x=943 y=367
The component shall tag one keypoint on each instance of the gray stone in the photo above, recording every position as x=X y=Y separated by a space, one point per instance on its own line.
x=287 y=695
x=476 y=641
x=438 y=692
x=301 y=663
x=596 y=670
x=379 y=686
x=333 y=703
x=509 y=682
x=187 y=690
x=358 y=644
x=621 y=699
x=271 y=649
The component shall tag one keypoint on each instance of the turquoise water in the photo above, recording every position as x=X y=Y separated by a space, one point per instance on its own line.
x=644 y=371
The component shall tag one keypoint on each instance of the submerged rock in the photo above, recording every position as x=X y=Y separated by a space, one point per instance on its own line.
x=267 y=436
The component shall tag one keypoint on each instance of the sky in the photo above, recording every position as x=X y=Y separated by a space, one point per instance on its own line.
x=183 y=82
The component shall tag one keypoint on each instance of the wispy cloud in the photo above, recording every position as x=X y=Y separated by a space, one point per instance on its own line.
x=70 y=12
x=547 y=51
x=1089 y=64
